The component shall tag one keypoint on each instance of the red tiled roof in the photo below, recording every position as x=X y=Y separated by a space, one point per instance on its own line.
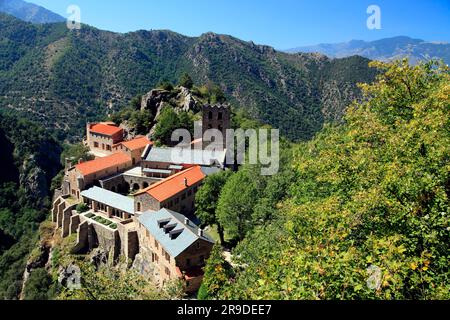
x=105 y=129
x=99 y=164
x=173 y=185
x=137 y=143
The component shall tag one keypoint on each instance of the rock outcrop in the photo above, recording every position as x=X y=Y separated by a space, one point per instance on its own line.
x=154 y=100
x=180 y=99
x=34 y=180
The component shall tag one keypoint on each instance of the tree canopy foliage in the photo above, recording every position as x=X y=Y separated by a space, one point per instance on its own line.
x=206 y=200
x=114 y=283
x=367 y=215
x=169 y=121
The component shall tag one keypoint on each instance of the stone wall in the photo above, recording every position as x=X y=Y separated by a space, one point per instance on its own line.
x=105 y=143
x=216 y=117
x=66 y=220
x=82 y=244
x=197 y=253
x=147 y=202
x=143 y=182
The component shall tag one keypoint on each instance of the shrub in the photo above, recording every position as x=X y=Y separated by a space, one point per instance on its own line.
x=202 y=293
x=38 y=285
x=166 y=85
x=82 y=207
x=186 y=81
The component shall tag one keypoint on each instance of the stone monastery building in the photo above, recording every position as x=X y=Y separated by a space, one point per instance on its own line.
x=141 y=201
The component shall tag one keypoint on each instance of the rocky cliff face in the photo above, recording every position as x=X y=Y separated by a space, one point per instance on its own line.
x=34 y=180
x=30 y=155
x=180 y=98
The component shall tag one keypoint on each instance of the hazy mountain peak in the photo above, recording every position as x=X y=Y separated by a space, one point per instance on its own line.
x=29 y=12
x=384 y=49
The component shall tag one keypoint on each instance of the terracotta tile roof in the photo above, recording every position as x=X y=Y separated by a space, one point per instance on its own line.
x=105 y=129
x=114 y=160
x=137 y=143
x=173 y=185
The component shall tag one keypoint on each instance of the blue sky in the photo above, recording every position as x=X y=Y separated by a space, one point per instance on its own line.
x=282 y=24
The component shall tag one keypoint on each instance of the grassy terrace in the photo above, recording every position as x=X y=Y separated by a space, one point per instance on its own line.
x=72 y=201
x=99 y=219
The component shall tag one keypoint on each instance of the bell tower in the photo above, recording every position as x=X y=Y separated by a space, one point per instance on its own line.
x=216 y=117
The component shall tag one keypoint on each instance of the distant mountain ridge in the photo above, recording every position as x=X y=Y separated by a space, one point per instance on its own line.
x=384 y=50
x=29 y=12
x=63 y=79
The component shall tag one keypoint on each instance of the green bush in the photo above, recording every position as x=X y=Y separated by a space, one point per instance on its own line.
x=82 y=208
x=202 y=293
x=38 y=285
x=165 y=85
x=186 y=81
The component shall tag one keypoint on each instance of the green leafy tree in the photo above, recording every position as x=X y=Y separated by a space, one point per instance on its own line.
x=367 y=215
x=141 y=120
x=38 y=285
x=207 y=198
x=169 y=121
x=237 y=200
x=117 y=283
x=218 y=273
x=76 y=152
x=216 y=94
x=135 y=103
x=82 y=207
x=166 y=85
x=275 y=191
x=186 y=81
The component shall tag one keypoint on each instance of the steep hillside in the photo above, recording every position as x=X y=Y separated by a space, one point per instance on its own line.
x=64 y=78
x=28 y=161
x=29 y=12
x=384 y=50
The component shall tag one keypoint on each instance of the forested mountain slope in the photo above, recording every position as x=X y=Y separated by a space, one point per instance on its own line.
x=63 y=78
x=28 y=161
x=29 y=12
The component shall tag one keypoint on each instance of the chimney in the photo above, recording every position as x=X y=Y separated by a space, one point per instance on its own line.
x=200 y=232
x=80 y=161
x=186 y=221
x=185 y=182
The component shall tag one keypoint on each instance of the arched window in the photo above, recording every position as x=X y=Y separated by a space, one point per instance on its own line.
x=220 y=116
x=210 y=115
x=138 y=207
